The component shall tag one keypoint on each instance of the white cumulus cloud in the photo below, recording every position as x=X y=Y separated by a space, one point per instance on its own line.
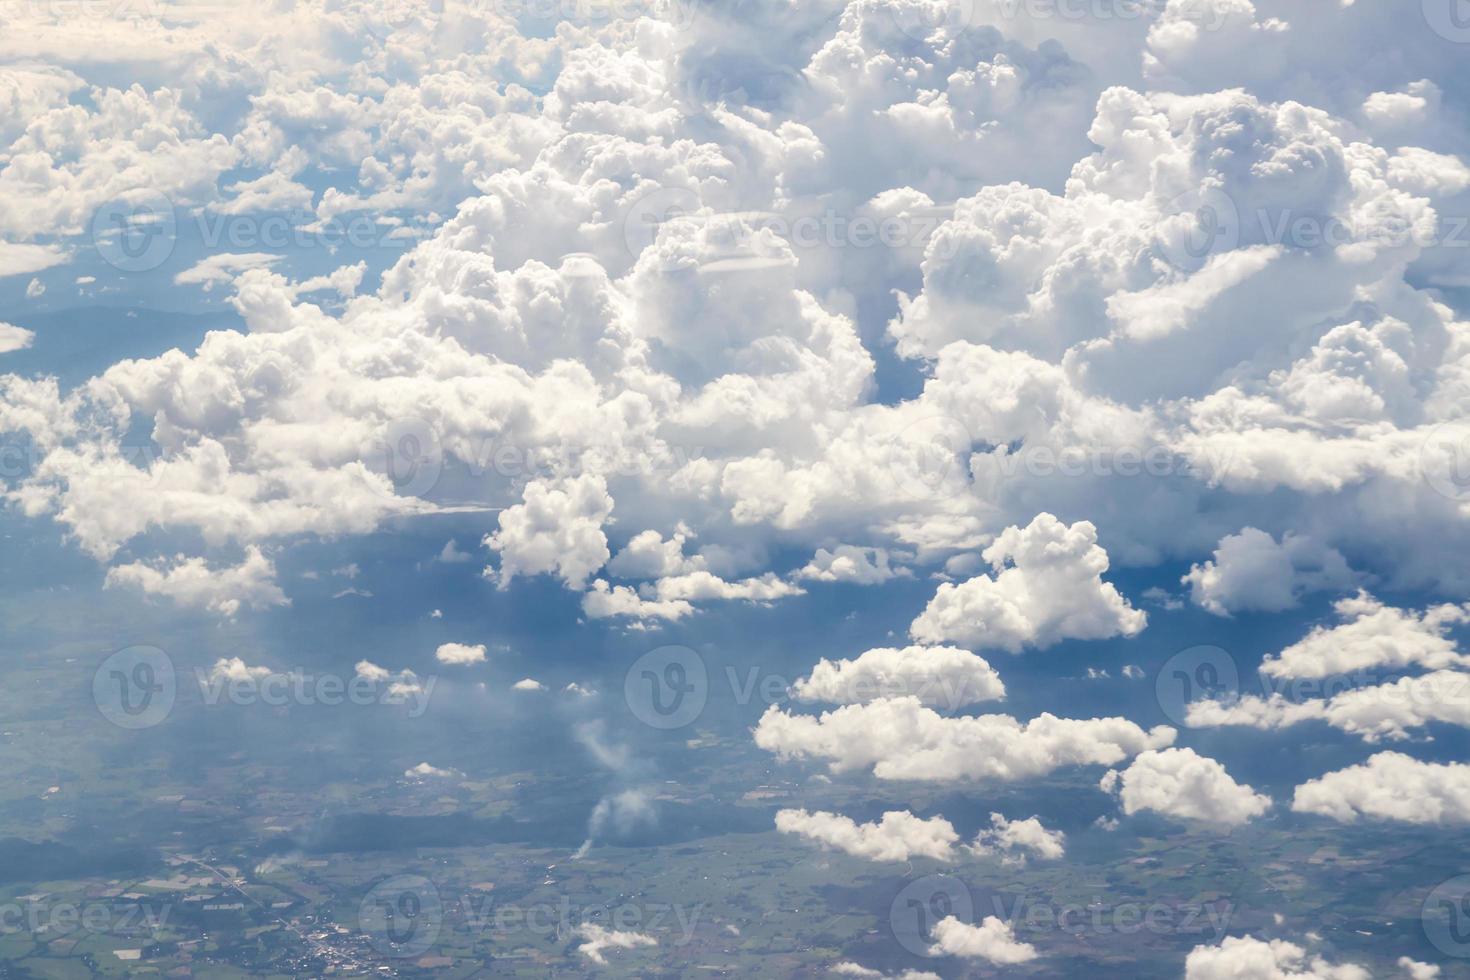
x=945 y=677
x=1178 y=782
x=1047 y=587
x=1248 y=958
x=897 y=836
x=1390 y=786
x=460 y=653
x=900 y=738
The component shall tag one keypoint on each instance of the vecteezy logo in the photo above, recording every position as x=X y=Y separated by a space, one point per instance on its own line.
x=401 y=915
x=652 y=211
x=135 y=232
x=1198 y=224
x=1446 y=916
x=919 y=19
x=682 y=14
x=135 y=687
x=1444 y=459
x=667 y=688
x=922 y=904
x=411 y=456
x=1202 y=673
x=1450 y=19
x=930 y=457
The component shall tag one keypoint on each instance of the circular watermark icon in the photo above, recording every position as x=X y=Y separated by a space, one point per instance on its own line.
x=667 y=688
x=652 y=211
x=1202 y=673
x=1450 y=19
x=1446 y=916
x=410 y=455
x=922 y=904
x=921 y=19
x=135 y=687
x=1200 y=223
x=402 y=915
x=930 y=457
x=135 y=232
x=1444 y=459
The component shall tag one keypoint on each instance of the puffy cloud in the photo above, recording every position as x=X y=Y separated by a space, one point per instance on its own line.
x=701 y=586
x=407 y=110
x=1047 y=587
x=901 y=836
x=1181 y=783
x=1248 y=958
x=1372 y=635
x=648 y=555
x=1412 y=106
x=1187 y=31
x=604 y=601
x=705 y=366
x=460 y=653
x=897 y=836
x=680 y=580
x=992 y=941
x=403 y=686
x=899 y=738
x=865 y=973
x=126 y=145
x=599 y=940
x=1422 y=171
x=1390 y=786
x=406 y=686
x=944 y=677
x=1249 y=408
x=214 y=270
x=557 y=528
x=1250 y=710
x=894 y=104
x=1374 y=712
x=368 y=670
x=451 y=555
x=29 y=90
x=13 y=338
x=528 y=684
x=274 y=191
x=672 y=597
x=20 y=259
x=191 y=582
x=848 y=563
x=426 y=771
x=1251 y=572
x=193 y=483
x=1161 y=309
x=1014 y=840
x=1118 y=271
x=1415 y=970
x=1201 y=45
x=233 y=670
